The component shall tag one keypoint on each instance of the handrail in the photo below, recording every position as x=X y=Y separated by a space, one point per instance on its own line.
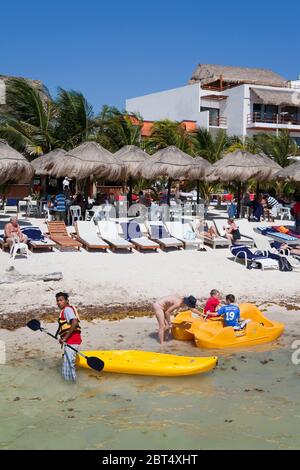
x=218 y=121
x=272 y=119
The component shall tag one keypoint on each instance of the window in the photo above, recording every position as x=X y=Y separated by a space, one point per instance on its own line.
x=214 y=114
x=297 y=140
x=293 y=113
x=257 y=108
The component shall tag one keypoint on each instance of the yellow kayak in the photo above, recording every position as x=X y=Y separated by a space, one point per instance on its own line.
x=150 y=363
x=211 y=334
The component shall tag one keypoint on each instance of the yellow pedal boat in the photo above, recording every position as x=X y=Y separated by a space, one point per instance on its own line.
x=211 y=334
x=149 y=363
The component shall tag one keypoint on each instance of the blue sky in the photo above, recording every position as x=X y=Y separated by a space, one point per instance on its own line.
x=113 y=50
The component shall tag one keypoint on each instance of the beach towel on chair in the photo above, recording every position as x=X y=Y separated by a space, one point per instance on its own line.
x=33 y=233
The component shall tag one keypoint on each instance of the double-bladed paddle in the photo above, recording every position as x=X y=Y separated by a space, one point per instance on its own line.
x=93 y=362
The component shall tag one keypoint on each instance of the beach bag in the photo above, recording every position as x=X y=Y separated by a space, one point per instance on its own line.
x=284 y=264
x=189 y=235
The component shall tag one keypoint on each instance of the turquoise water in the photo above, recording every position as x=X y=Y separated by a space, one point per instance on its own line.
x=242 y=404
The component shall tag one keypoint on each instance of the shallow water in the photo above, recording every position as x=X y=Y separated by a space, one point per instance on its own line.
x=242 y=404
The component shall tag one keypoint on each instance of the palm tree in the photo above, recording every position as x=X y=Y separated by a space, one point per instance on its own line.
x=210 y=147
x=116 y=128
x=279 y=147
x=74 y=121
x=167 y=133
x=26 y=120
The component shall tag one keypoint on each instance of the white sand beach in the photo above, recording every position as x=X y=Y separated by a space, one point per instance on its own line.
x=116 y=279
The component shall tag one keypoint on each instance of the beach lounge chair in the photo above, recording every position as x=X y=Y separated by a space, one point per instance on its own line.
x=36 y=240
x=275 y=235
x=3 y=245
x=214 y=242
x=87 y=235
x=11 y=205
x=244 y=240
x=59 y=234
x=159 y=233
x=109 y=232
x=132 y=232
x=241 y=252
x=248 y=230
x=185 y=233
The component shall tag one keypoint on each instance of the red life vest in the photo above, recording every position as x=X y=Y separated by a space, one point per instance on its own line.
x=64 y=327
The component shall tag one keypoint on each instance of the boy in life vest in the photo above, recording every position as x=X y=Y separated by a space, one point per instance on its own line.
x=212 y=304
x=70 y=333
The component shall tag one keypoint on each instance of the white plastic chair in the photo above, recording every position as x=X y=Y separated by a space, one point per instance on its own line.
x=32 y=208
x=19 y=246
x=22 y=206
x=75 y=212
x=285 y=212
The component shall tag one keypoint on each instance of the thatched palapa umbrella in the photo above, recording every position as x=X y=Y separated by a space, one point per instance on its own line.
x=88 y=159
x=289 y=173
x=198 y=171
x=170 y=162
x=241 y=166
x=43 y=165
x=13 y=166
x=131 y=157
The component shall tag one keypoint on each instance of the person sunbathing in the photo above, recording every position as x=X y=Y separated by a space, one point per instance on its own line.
x=232 y=231
x=202 y=226
x=13 y=233
x=164 y=307
x=293 y=250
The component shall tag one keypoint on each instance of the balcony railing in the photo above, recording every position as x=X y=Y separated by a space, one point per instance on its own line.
x=218 y=121
x=273 y=119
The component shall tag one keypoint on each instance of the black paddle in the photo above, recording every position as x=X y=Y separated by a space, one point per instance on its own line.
x=93 y=362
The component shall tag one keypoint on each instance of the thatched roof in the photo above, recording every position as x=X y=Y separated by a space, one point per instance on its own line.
x=207 y=73
x=283 y=98
x=170 y=162
x=130 y=156
x=199 y=168
x=88 y=159
x=291 y=172
x=242 y=166
x=13 y=166
x=44 y=164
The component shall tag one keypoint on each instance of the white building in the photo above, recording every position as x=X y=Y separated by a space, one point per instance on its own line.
x=244 y=101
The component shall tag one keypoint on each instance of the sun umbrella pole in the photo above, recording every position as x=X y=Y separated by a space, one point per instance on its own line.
x=169 y=190
x=198 y=192
x=257 y=189
x=239 y=191
x=130 y=191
